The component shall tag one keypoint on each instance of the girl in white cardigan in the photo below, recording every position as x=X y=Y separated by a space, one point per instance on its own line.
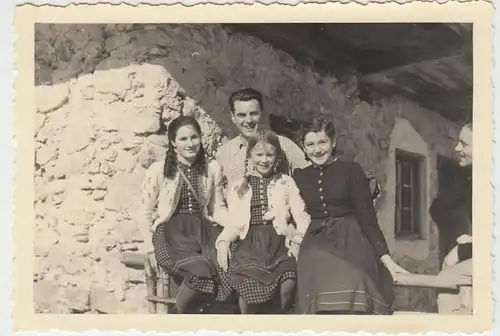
x=261 y=205
x=187 y=192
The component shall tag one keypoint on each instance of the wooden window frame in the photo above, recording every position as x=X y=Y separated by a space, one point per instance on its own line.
x=415 y=163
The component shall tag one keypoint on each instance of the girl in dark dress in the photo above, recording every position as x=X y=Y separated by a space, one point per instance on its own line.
x=187 y=192
x=262 y=267
x=344 y=266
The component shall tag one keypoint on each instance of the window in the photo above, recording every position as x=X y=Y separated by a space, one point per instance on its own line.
x=408 y=212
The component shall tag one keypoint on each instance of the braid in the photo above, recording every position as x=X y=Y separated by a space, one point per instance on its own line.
x=170 y=161
x=280 y=165
x=245 y=185
x=201 y=161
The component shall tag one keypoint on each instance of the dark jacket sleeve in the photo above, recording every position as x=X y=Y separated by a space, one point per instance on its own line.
x=464 y=251
x=365 y=210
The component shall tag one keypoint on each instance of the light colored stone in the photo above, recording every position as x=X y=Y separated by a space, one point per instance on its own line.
x=46 y=239
x=125 y=162
x=150 y=153
x=94 y=167
x=78 y=298
x=146 y=120
x=46 y=154
x=77 y=137
x=57 y=199
x=82 y=237
x=99 y=182
x=75 y=163
x=129 y=247
x=118 y=200
x=112 y=81
x=136 y=276
x=47 y=298
x=106 y=169
x=51 y=97
x=98 y=195
x=127 y=232
x=103 y=299
x=108 y=155
x=135 y=301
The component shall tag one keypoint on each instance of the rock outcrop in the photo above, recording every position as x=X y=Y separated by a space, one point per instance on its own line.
x=104 y=94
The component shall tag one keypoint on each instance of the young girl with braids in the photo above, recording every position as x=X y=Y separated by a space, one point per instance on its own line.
x=187 y=192
x=261 y=205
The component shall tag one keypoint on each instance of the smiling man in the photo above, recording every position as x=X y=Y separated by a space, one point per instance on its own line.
x=247 y=112
x=458 y=262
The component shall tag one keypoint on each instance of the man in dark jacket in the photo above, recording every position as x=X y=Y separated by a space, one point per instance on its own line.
x=458 y=211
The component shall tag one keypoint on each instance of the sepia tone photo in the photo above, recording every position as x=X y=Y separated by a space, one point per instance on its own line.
x=306 y=168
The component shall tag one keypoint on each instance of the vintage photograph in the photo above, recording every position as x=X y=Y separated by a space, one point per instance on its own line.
x=253 y=168
x=185 y=175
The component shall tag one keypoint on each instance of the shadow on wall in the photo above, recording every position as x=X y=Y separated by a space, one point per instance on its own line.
x=207 y=62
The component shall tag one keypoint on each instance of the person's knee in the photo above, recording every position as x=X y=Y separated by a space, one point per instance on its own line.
x=186 y=298
x=288 y=294
x=288 y=287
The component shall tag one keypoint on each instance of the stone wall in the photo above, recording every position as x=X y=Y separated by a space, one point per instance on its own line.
x=103 y=96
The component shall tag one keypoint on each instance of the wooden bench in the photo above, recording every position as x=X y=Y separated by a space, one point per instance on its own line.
x=161 y=289
x=462 y=284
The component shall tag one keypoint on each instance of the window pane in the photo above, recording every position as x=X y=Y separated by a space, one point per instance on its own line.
x=406 y=221
x=406 y=197
x=397 y=212
x=407 y=172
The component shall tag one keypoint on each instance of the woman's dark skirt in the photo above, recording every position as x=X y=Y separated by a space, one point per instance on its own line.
x=261 y=264
x=185 y=247
x=339 y=271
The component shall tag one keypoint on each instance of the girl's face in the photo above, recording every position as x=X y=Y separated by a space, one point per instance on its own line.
x=318 y=147
x=187 y=144
x=263 y=157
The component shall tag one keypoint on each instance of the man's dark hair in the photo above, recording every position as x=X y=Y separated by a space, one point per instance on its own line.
x=246 y=94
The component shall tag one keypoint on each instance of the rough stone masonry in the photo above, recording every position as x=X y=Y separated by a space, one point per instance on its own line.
x=103 y=96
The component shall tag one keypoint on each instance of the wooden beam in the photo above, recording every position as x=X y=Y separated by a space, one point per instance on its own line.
x=136 y=260
x=455 y=61
x=432 y=281
x=364 y=47
x=133 y=259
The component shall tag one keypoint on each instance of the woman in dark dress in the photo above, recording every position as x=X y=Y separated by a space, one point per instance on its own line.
x=344 y=266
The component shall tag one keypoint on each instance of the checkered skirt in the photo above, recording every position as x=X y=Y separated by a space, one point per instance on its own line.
x=260 y=265
x=185 y=247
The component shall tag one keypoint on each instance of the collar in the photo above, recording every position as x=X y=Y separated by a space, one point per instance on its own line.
x=255 y=173
x=326 y=164
x=241 y=142
x=185 y=167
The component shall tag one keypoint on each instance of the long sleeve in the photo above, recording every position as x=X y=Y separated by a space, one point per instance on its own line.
x=365 y=210
x=149 y=199
x=298 y=208
x=218 y=208
x=295 y=156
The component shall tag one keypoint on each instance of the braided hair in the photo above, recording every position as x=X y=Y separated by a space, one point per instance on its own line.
x=264 y=137
x=200 y=163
